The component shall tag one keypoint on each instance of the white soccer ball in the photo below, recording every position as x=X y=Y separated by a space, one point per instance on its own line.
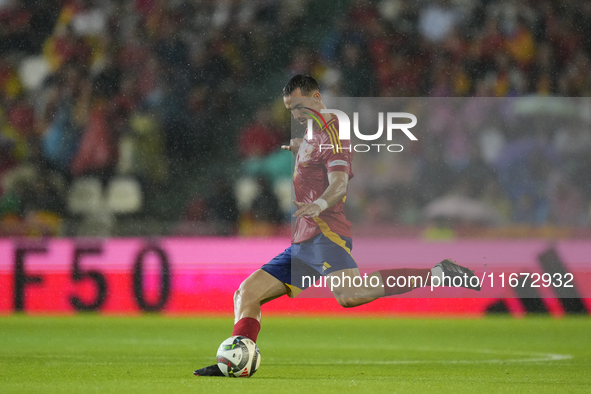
x=238 y=357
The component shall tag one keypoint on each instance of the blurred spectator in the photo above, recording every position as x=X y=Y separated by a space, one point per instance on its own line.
x=222 y=209
x=142 y=151
x=21 y=117
x=12 y=202
x=566 y=203
x=435 y=177
x=525 y=182
x=63 y=117
x=87 y=18
x=65 y=47
x=7 y=159
x=18 y=24
x=265 y=207
x=357 y=75
x=437 y=20
x=494 y=197
x=520 y=45
x=44 y=197
x=170 y=47
x=10 y=85
x=260 y=137
x=33 y=203
x=460 y=207
x=98 y=152
x=478 y=173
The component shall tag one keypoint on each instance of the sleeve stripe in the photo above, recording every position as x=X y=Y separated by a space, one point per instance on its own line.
x=331 y=140
x=336 y=136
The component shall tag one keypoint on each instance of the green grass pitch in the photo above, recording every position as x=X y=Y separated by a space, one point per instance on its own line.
x=156 y=354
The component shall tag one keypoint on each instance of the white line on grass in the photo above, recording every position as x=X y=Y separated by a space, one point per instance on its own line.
x=525 y=357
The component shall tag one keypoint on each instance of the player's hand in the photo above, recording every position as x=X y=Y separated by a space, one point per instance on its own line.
x=294 y=145
x=307 y=210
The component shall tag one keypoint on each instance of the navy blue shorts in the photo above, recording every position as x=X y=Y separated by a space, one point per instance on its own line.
x=318 y=255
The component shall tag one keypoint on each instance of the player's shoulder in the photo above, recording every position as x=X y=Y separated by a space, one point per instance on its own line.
x=333 y=123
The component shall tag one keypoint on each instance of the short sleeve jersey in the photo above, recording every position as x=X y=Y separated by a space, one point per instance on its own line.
x=317 y=158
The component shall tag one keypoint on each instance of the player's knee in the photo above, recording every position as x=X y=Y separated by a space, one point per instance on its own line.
x=241 y=295
x=344 y=298
x=348 y=302
x=244 y=295
x=237 y=296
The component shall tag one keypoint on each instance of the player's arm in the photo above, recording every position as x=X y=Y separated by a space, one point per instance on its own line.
x=294 y=145
x=336 y=190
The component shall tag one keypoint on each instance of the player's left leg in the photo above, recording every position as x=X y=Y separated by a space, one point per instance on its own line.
x=390 y=282
x=351 y=289
x=330 y=255
x=347 y=294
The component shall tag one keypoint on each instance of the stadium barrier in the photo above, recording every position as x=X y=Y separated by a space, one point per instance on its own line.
x=199 y=276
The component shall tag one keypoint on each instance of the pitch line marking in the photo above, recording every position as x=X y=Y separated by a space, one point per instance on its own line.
x=528 y=357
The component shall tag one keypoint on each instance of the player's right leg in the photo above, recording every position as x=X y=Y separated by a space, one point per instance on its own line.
x=260 y=287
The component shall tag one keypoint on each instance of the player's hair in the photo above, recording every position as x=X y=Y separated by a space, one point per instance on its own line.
x=306 y=83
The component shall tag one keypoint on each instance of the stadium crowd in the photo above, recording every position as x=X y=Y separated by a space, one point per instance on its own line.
x=172 y=94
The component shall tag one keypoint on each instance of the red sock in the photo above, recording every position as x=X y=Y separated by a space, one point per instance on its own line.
x=247 y=327
x=397 y=285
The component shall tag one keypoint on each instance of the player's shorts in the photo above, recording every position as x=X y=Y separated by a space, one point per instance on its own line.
x=318 y=255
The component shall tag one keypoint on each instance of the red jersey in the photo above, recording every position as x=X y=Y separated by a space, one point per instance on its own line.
x=315 y=160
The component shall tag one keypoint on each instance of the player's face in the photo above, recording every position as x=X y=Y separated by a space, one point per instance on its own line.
x=297 y=104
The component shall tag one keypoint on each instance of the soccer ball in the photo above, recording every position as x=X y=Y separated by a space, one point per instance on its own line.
x=238 y=357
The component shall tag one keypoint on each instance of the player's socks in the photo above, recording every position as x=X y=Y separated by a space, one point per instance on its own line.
x=413 y=278
x=212 y=370
x=247 y=327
